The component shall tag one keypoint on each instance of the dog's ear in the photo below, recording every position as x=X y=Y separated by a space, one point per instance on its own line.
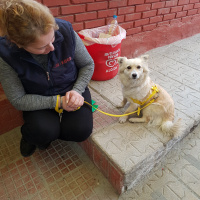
x=144 y=57
x=121 y=60
x=145 y=63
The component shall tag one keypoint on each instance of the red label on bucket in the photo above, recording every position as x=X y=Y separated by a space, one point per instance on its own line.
x=105 y=59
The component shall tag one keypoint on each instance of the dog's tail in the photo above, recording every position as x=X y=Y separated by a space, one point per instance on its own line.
x=172 y=129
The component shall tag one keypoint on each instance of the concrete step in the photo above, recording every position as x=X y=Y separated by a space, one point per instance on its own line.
x=126 y=153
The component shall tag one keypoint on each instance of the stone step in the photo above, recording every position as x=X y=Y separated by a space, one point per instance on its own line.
x=126 y=153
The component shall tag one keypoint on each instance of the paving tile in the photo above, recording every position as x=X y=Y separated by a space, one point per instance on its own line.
x=122 y=143
x=101 y=120
x=109 y=90
x=176 y=177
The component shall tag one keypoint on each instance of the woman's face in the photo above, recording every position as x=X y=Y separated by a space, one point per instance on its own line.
x=43 y=45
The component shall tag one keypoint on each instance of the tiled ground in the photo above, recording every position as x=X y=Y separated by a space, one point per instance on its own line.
x=63 y=171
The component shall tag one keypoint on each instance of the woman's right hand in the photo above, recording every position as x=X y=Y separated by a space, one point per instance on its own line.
x=65 y=106
x=72 y=101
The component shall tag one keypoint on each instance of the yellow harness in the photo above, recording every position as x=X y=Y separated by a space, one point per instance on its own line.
x=154 y=91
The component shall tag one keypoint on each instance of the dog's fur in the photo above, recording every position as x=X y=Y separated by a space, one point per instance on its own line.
x=136 y=84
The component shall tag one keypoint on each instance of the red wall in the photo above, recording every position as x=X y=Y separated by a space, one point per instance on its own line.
x=149 y=23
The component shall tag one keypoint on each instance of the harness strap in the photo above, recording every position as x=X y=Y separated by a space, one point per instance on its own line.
x=154 y=91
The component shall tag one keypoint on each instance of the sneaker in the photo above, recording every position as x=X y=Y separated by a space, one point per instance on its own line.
x=26 y=149
x=43 y=147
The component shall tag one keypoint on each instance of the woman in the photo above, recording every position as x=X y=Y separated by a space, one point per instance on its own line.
x=44 y=71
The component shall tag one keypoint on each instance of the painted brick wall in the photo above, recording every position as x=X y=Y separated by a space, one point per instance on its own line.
x=138 y=17
x=135 y=16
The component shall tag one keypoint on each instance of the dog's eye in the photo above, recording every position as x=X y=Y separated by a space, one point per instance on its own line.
x=138 y=67
x=129 y=67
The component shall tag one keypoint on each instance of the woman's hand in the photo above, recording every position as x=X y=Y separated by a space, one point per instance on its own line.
x=72 y=101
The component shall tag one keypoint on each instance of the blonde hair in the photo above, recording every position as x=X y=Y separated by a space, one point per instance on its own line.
x=24 y=21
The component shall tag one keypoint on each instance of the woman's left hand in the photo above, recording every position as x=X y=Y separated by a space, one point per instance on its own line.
x=72 y=101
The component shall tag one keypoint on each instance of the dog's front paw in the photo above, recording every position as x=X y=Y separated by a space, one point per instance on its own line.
x=122 y=119
x=120 y=105
x=132 y=120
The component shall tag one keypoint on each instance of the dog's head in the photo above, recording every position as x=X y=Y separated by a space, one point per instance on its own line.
x=133 y=68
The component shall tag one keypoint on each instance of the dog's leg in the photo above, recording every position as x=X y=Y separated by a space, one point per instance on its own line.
x=140 y=120
x=123 y=103
x=130 y=109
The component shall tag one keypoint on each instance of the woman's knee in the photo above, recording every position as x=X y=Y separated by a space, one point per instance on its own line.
x=40 y=134
x=78 y=134
x=83 y=135
x=41 y=126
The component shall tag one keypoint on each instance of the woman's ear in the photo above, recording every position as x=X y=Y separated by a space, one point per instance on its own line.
x=16 y=44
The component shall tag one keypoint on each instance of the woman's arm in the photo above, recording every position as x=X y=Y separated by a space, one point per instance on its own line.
x=85 y=64
x=15 y=93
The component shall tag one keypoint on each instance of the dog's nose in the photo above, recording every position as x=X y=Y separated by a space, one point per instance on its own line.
x=134 y=76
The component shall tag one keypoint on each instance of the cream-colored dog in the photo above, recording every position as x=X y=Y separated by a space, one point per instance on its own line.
x=140 y=91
